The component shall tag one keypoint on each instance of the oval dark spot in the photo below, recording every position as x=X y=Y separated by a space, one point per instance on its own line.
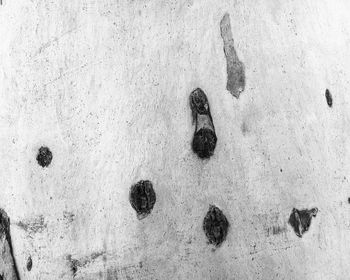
x=44 y=156
x=300 y=220
x=329 y=98
x=142 y=198
x=215 y=226
x=29 y=263
x=204 y=142
x=349 y=199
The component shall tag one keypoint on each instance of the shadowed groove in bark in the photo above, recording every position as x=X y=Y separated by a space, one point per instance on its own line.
x=8 y=267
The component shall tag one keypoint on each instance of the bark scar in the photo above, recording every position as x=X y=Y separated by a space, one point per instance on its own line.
x=234 y=67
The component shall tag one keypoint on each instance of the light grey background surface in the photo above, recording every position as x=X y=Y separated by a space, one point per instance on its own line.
x=105 y=85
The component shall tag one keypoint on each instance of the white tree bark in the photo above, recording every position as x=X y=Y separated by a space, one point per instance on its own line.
x=105 y=86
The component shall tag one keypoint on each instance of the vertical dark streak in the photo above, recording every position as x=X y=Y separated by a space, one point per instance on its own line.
x=5 y=228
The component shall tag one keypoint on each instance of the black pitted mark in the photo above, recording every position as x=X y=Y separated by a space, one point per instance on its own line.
x=44 y=157
x=29 y=263
x=204 y=139
x=235 y=68
x=8 y=270
x=142 y=198
x=329 y=98
x=300 y=220
x=215 y=226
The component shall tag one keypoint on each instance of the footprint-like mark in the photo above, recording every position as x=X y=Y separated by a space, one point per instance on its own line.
x=204 y=139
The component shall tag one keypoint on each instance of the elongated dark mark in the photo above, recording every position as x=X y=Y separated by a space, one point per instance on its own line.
x=234 y=67
x=329 y=98
x=142 y=198
x=215 y=226
x=204 y=139
x=29 y=263
x=44 y=157
x=300 y=220
x=75 y=264
x=8 y=268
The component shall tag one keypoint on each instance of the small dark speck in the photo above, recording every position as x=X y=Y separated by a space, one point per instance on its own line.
x=281 y=170
x=329 y=98
x=349 y=199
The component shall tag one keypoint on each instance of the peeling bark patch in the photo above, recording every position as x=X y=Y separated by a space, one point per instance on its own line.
x=234 y=67
x=300 y=220
x=215 y=226
x=44 y=157
x=329 y=98
x=204 y=139
x=142 y=198
x=29 y=263
x=8 y=268
x=36 y=225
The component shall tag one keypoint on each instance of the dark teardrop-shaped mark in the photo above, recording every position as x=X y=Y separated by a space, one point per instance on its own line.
x=204 y=139
x=142 y=198
x=44 y=157
x=215 y=226
x=29 y=263
x=329 y=98
x=300 y=220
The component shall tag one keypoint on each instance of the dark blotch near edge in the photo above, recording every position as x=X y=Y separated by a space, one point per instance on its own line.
x=300 y=220
x=10 y=270
x=215 y=226
x=142 y=198
x=29 y=263
x=44 y=157
x=329 y=98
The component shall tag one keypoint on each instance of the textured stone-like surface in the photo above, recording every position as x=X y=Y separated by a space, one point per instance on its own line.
x=105 y=85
